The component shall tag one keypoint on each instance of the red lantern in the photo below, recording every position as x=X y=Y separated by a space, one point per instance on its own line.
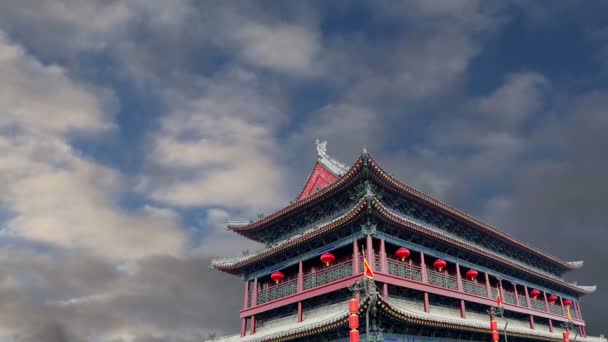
x=402 y=253
x=493 y=325
x=328 y=259
x=277 y=277
x=552 y=298
x=534 y=293
x=495 y=336
x=354 y=336
x=353 y=306
x=566 y=336
x=353 y=321
x=567 y=302
x=472 y=274
x=439 y=264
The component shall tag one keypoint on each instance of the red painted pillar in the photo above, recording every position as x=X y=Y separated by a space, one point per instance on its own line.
x=427 y=307
x=370 y=252
x=502 y=293
x=531 y=322
x=252 y=324
x=488 y=288
x=383 y=266
x=244 y=327
x=527 y=296
x=546 y=301
x=561 y=302
x=579 y=313
x=300 y=314
x=581 y=331
x=246 y=300
x=254 y=298
x=383 y=261
x=516 y=294
x=459 y=283
x=300 y=284
x=458 y=277
x=550 y=325
x=463 y=312
x=356 y=257
x=425 y=278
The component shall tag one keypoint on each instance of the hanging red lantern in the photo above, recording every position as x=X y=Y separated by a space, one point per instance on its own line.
x=567 y=302
x=353 y=306
x=472 y=274
x=277 y=277
x=534 y=293
x=402 y=253
x=566 y=336
x=354 y=336
x=328 y=259
x=353 y=321
x=439 y=264
x=552 y=298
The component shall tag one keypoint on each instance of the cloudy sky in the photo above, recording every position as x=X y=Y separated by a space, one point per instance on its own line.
x=131 y=131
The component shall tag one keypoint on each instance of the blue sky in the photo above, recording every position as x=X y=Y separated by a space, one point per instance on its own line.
x=131 y=131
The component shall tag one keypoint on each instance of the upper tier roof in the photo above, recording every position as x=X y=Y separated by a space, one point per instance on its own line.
x=368 y=166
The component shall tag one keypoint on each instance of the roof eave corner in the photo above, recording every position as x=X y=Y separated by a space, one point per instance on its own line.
x=576 y=264
x=588 y=289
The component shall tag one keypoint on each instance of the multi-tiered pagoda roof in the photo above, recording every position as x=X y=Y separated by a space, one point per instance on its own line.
x=342 y=204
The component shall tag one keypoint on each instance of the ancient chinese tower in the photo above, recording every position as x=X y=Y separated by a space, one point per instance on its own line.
x=437 y=272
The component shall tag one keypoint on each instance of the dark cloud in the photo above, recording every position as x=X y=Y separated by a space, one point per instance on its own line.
x=160 y=298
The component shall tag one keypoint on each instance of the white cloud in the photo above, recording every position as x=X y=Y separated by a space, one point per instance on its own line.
x=283 y=47
x=218 y=148
x=55 y=195
x=520 y=95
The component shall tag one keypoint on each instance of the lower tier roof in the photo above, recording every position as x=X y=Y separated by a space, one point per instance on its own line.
x=336 y=317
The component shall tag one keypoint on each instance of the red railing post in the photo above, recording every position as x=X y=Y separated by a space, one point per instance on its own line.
x=515 y=294
x=546 y=301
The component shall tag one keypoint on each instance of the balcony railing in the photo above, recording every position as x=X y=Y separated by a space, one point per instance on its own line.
x=442 y=279
x=277 y=291
x=538 y=304
x=474 y=288
x=522 y=300
x=404 y=270
x=508 y=297
x=555 y=309
x=328 y=275
x=573 y=313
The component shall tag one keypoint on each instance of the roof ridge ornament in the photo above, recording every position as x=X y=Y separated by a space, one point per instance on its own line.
x=332 y=164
